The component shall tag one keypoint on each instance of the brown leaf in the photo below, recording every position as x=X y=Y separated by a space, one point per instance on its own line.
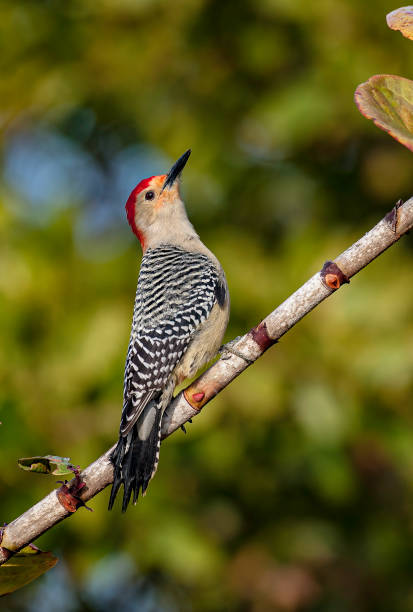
x=402 y=19
x=22 y=568
x=388 y=101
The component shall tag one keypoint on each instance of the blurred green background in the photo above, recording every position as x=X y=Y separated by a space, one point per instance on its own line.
x=294 y=489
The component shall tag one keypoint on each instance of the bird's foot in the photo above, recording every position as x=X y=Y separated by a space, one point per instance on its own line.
x=183 y=426
x=226 y=350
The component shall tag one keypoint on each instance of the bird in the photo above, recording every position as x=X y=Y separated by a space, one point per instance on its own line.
x=180 y=315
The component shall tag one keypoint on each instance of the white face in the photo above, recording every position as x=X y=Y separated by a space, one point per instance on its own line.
x=152 y=211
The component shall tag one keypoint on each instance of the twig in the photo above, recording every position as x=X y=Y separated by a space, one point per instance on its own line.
x=244 y=351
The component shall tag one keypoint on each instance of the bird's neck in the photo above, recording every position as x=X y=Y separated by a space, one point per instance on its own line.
x=171 y=226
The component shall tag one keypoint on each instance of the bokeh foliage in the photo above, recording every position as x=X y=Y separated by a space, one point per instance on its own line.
x=293 y=490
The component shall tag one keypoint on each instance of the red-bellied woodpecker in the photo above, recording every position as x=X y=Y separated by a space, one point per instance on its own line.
x=180 y=316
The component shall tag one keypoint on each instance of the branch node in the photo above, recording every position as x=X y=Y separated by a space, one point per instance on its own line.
x=196 y=399
x=332 y=277
x=68 y=493
x=261 y=337
x=392 y=217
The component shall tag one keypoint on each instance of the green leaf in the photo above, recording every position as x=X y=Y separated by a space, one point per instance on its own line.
x=402 y=19
x=388 y=101
x=49 y=464
x=22 y=568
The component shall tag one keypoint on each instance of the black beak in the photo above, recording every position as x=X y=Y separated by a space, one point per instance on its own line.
x=176 y=169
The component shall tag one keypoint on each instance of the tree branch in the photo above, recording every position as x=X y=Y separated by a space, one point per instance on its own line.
x=244 y=351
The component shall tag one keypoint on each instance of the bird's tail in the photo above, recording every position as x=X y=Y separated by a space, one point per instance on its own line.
x=135 y=458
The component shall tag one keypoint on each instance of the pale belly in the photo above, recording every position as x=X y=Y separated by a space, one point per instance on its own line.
x=204 y=345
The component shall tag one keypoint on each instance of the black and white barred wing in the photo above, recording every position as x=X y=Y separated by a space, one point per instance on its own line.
x=176 y=292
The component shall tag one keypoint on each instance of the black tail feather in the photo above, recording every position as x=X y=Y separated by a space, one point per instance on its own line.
x=135 y=462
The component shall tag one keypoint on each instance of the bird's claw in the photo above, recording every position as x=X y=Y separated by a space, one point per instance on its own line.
x=183 y=426
x=226 y=350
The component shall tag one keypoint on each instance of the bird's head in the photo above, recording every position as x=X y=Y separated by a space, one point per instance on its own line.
x=154 y=208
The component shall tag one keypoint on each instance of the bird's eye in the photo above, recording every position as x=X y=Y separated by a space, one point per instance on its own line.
x=149 y=195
